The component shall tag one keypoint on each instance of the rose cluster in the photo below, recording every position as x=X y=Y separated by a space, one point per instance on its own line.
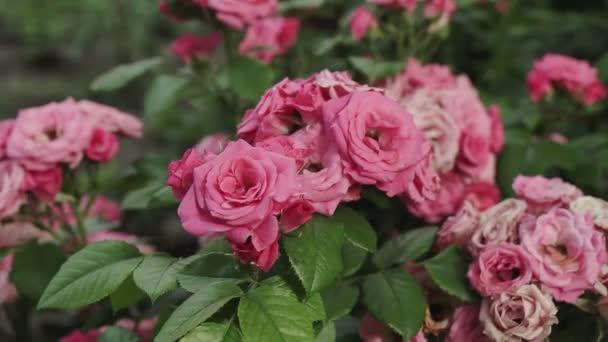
x=573 y=75
x=308 y=145
x=465 y=136
x=544 y=246
x=267 y=34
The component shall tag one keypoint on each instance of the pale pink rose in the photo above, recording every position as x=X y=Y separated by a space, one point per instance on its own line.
x=566 y=252
x=542 y=194
x=409 y=5
x=103 y=146
x=6 y=127
x=361 y=21
x=12 y=182
x=111 y=119
x=498 y=130
x=416 y=76
x=377 y=140
x=45 y=184
x=14 y=234
x=466 y=326
x=270 y=37
x=595 y=207
x=575 y=75
x=239 y=192
x=487 y=174
x=265 y=258
x=498 y=224
x=180 y=172
x=558 y=138
x=103 y=208
x=104 y=235
x=214 y=143
x=239 y=13
x=524 y=314
x=51 y=134
x=8 y=291
x=500 y=267
x=446 y=202
x=339 y=83
x=295 y=214
x=372 y=330
x=426 y=183
x=458 y=229
x=190 y=46
x=481 y=195
x=144 y=329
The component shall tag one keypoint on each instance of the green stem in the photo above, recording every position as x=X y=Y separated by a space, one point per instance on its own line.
x=80 y=228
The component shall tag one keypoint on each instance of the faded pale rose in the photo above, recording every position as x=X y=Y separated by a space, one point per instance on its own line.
x=12 y=182
x=524 y=314
x=498 y=224
x=597 y=208
x=542 y=194
x=214 y=143
x=112 y=119
x=458 y=229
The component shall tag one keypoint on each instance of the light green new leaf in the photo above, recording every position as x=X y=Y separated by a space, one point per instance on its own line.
x=410 y=245
x=448 y=270
x=121 y=75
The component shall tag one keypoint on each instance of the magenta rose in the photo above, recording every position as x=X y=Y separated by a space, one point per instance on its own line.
x=190 y=46
x=500 y=267
x=214 y=143
x=180 y=172
x=45 y=184
x=6 y=127
x=295 y=214
x=566 y=251
x=103 y=146
x=498 y=224
x=542 y=194
x=239 y=13
x=466 y=326
x=270 y=37
x=111 y=119
x=376 y=139
x=361 y=21
x=239 y=192
x=12 y=183
x=458 y=229
x=523 y=314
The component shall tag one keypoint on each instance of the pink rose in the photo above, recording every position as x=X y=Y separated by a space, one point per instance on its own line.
x=296 y=214
x=409 y=5
x=416 y=76
x=524 y=314
x=112 y=120
x=180 y=172
x=45 y=184
x=54 y=133
x=466 y=326
x=239 y=13
x=144 y=328
x=458 y=229
x=239 y=192
x=247 y=253
x=103 y=146
x=104 y=235
x=498 y=130
x=482 y=195
x=103 y=208
x=214 y=143
x=498 y=224
x=12 y=182
x=435 y=8
x=16 y=233
x=361 y=21
x=6 y=127
x=426 y=183
x=542 y=194
x=270 y=37
x=566 y=252
x=8 y=291
x=499 y=268
x=377 y=140
x=446 y=202
x=189 y=46
x=474 y=153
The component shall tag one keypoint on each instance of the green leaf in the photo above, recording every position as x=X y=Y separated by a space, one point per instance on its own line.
x=339 y=300
x=163 y=93
x=157 y=274
x=576 y=325
x=196 y=309
x=327 y=333
x=272 y=313
x=140 y=198
x=119 y=76
x=125 y=295
x=29 y=274
x=162 y=198
x=347 y=329
x=353 y=258
x=315 y=253
x=394 y=297
x=356 y=228
x=315 y=308
x=213 y=332
x=91 y=274
x=208 y=268
x=410 y=245
x=117 y=334
x=249 y=78
x=448 y=270
x=287 y=5
x=374 y=69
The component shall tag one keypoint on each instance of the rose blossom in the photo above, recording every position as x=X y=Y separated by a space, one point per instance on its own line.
x=214 y=143
x=263 y=259
x=458 y=229
x=446 y=202
x=566 y=252
x=270 y=37
x=238 y=13
x=6 y=127
x=180 y=172
x=103 y=146
x=524 y=314
x=498 y=224
x=361 y=21
x=111 y=119
x=435 y=8
x=377 y=140
x=295 y=214
x=482 y=195
x=189 y=46
x=500 y=267
x=466 y=326
x=12 y=181
x=498 y=130
x=238 y=192
x=45 y=184
x=426 y=183
x=416 y=76
x=103 y=208
x=104 y=235
x=542 y=194
x=597 y=208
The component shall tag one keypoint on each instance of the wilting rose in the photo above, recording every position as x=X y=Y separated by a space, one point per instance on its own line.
x=180 y=172
x=214 y=143
x=247 y=253
x=500 y=267
x=361 y=21
x=498 y=224
x=270 y=37
x=377 y=140
x=524 y=314
x=6 y=127
x=466 y=326
x=458 y=229
x=111 y=119
x=542 y=194
x=190 y=46
x=239 y=13
x=566 y=252
x=103 y=146
x=597 y=208
x=45 y=184
x=12 y=182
